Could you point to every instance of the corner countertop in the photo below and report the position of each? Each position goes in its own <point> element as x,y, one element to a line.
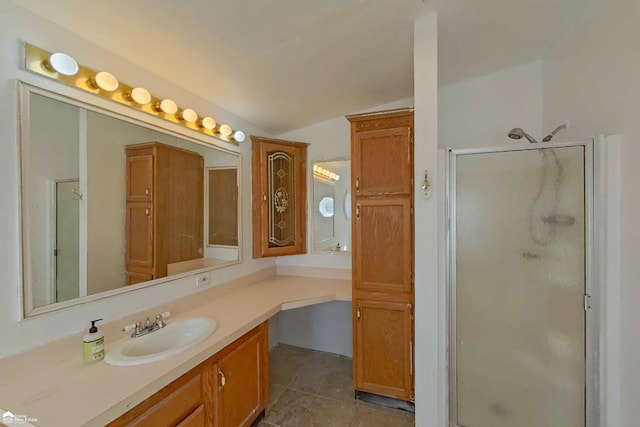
<point>74,394</point>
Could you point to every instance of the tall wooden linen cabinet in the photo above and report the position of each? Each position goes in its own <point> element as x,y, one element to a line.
<point>383,252</point>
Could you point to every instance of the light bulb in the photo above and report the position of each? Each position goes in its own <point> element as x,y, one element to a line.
<point>139,95</point>
<point>62,63</point>
<point>225,130</point>
<point>105,81</point>
<point>239,136</point>
<point>207,123</point>
<point>188,115</point>
<point>166,106</point>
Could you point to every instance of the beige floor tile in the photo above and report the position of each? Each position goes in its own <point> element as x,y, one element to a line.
<point>291,410</point>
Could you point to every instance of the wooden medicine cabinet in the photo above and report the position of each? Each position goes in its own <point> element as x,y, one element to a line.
<point>279,183</point>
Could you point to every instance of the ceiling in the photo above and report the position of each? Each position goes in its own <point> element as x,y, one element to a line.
<point>283,64</point>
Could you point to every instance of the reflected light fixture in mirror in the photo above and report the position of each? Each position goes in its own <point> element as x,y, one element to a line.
<point>62,63</point>
<point>208,123</point>
<point>188,115</point>
<point>105,81</point>
<point>325,173</point>
<point>167,106</point>
<point>139,95</point>
<point>225,130</point>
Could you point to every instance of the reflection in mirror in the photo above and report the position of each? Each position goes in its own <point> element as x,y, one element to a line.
<point>332,206</point>
<point>109,203</point>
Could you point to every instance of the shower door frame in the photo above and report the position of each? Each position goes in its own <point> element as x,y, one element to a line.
<point>592,300</point>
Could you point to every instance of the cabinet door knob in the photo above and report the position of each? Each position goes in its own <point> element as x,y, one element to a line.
<point>358,312</point>
<point>264,197</point>
<point>358,212</point>
<point>358,184</point>
<point>147,212</point>
<point>147,191</point>
<point>223,379</point>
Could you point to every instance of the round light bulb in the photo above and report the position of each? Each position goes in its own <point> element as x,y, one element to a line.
<point>189,115</point>
<point>337,177</point>
<point>207,123</point>
<point>239,136</point>
<point>62,63</point>
<point>166,106</point>
<point>105,81</point>
<point>139,95</point>
<point>225,130</point>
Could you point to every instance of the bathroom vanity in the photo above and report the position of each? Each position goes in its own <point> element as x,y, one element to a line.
<point>230,389</point>
<point>222,381</point>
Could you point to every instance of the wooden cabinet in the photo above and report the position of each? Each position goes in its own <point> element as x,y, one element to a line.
<point>383,353</point>
<point>164,209</point>
<point>382,245</point>
<point>279,184</point>
<point>229,390</point>
<point>382,160</point>
<point>383,252</point>
<point>242,382</point>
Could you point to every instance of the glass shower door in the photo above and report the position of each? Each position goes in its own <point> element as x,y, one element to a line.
<point>518,317</point>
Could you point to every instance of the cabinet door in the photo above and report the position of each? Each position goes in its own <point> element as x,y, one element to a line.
<point>382,162</point>
<point>140,178</point>
<point>383,358</point>
<point>279,197</point>
<point>140,235</point>
<point>241,382</point>
<point>382,245</point>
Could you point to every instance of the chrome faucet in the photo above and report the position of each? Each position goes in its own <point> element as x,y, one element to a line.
<point>139,329</point>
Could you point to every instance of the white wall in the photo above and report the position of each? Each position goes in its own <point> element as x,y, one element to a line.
<point>52,156</point>
<point>430,324</point>
<point>16,24</point>
<point>592,79</point>
<point>315,327</point>
<point>480,112</point>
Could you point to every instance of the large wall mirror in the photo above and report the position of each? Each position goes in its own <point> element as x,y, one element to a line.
<point>331,209</point>
<point>110,204</point>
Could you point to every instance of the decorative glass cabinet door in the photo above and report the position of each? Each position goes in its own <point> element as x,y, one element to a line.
<point>279,197</point>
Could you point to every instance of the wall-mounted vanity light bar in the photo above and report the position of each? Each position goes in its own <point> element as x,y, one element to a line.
<point>325,173</point>
<point>65,69</point>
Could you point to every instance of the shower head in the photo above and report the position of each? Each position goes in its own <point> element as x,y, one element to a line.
<point>518,133</point>
<point>556,130</point>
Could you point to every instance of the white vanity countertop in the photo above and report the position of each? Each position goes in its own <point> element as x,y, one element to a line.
<point>74,394</point>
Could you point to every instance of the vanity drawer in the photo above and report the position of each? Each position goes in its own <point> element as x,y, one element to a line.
<point>179,403</point>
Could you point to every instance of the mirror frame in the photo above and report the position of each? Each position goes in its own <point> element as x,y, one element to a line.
<point>24,92</point>
<point>310,214</point>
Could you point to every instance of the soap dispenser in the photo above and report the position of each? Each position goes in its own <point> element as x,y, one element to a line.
<point>93,344</point>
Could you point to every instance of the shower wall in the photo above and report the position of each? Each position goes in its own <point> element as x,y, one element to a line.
<point>520,320</point>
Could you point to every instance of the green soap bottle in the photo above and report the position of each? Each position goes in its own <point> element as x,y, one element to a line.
<point>93,344</point>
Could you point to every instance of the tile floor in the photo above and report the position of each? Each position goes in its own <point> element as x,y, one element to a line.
<point>314,389</point>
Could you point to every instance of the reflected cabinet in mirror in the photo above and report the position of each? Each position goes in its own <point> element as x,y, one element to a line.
<point>108,202</point>
<point>331,210</point>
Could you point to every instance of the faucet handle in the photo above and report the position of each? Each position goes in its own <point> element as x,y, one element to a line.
<point>166,314</point>
<point>147,323</point>
<point>128,328</point>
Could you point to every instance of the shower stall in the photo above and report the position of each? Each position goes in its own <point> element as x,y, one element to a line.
<point>522,338</point>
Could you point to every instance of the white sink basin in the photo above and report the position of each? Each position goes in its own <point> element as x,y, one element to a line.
<point>174,338</point>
